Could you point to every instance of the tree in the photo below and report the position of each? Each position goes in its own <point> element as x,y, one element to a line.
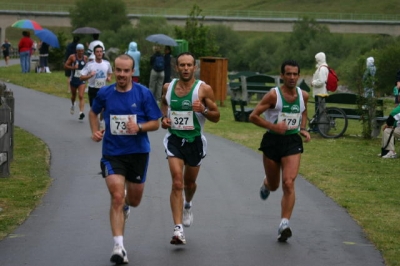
<point>101,14</point>
<point>200,39</point>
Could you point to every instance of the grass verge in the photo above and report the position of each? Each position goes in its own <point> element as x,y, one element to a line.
<point>346,169</point>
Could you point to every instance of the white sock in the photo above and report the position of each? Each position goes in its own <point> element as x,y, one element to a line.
<point>285,220</point>
<point>180,227</point>
<point>119,240</point>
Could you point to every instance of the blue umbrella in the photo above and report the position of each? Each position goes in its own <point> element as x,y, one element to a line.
<point>162,39</point>
<point>48,37</point>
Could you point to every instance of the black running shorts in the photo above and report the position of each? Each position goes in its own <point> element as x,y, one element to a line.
<point>132,166</point>
<point>276,146</point>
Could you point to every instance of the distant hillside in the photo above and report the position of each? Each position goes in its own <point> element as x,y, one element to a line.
<point>320,6</point>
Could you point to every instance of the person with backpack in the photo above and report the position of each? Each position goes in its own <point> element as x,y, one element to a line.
<point>157,72</point>
<point>391,130</point>
<point>320,76</point>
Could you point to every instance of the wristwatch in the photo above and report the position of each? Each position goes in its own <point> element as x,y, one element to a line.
<point>140,127</point>
<point>205,111</point>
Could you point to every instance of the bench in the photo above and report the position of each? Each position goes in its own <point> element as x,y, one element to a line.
<point>242,113</point>
<point>349,104</point>
<point>260,85</point>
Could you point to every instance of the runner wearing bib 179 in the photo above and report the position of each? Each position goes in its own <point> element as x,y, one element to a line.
<point>76,63</point>
<point>285,116</point>
<point>186,104</point>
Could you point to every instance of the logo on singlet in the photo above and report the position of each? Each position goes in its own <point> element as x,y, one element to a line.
<point>186,105</point>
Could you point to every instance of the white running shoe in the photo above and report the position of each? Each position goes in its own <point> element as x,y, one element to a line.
<point>119,255</point>
<point>72,110</point>
<point>187,217</point>
<point>390,155</point>
<point>284,232</point>
<point>127,211</point>
<point>178,238</point>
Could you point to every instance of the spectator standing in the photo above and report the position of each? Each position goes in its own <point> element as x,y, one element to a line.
<point>135,54</point>
<point>369,78</point>
<point>43,57</point>
<point>25,49</point>
<point>167,64</point>
<point>6,48</point>
<point>157,72</point>
<point>95,43</point>
<point>320,76</point>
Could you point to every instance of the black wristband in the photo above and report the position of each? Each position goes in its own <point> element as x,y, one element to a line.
<point>302,128</point>
<point>162,118</point>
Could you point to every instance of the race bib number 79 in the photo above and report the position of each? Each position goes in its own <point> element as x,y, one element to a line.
<point>292,120</point>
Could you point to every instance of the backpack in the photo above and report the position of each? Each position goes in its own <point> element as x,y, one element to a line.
<point>158,63</point>
<point>332,81</point>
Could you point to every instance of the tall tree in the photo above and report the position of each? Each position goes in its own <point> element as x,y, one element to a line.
<point>200,39</point>
<point>101,14</point>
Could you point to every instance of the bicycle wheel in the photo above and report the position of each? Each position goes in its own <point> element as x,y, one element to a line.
<point>332,122</point>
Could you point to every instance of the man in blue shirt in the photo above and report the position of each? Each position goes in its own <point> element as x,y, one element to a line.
<point>130,111</point>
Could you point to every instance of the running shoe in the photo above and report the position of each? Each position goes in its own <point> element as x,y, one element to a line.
<point>127,211</point>
<point>178,238</point>
<point>264,192</point>
<point>284,232</point>
<point>187,217</point>
<point>72,110</point>
<point>119,255</point>
<point>390,155</point>
<point>81,116</point>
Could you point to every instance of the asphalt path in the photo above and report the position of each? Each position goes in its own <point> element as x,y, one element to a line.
<point>232,226</point>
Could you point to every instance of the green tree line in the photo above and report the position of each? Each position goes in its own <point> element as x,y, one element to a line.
<point>256,52</point>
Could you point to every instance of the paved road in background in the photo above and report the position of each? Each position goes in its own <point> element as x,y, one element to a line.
<point>232,226</point>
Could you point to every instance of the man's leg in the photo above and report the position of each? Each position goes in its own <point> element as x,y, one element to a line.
<point>81,93</point>
<point>176,199</point>
<point>272,171</point>
<point>73,98</point>
<point>116,187</point>
<point>190,187</point>
<point>290,169</point>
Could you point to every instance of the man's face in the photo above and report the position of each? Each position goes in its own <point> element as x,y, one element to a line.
<point>186,67</point>
<point>123,71</point>
<point>80,52</point>
<point>98,53</point>
<point>291,76</point>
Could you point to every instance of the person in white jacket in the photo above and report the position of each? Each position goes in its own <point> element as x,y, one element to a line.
<point>321,75</point>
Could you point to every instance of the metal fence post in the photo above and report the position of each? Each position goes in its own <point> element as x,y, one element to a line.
<point>5,119</point>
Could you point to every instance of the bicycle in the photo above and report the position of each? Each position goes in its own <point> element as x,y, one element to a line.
<point>329,122</point>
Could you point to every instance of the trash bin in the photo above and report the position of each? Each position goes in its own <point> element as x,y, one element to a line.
<point>183,46</point>
<point>214,71</point>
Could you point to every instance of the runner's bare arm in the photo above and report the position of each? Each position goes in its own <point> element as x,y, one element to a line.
<point>207,105</point>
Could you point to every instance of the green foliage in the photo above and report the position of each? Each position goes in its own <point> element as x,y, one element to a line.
<point>57,55</point>
<point>101,14</point>
<point>201,40</point>
<point>387,67</point>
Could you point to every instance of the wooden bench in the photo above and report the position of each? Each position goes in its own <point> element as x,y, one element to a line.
<point>260,85</point>
<point>349,102</point>
<point>241,113</point>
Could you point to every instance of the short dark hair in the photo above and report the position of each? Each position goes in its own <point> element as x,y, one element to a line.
<point>289,63</point>
<point>76,39</point>
<point>95,36</point>
<point>128,57</point>
<point>98,46</point>
<point>186,53</point>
